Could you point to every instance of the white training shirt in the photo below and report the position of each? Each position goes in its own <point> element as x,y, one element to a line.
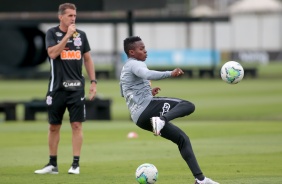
<point>135,85</point>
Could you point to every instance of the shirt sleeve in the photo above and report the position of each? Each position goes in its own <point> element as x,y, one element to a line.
<point>86,44</point>
<point>50,41</point>
<point>141,70</point>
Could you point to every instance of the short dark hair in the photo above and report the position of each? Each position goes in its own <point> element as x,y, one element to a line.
<point>128,43</point>
<point>63,7</point>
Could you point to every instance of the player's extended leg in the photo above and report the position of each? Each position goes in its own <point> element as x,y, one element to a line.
<point>171,108</point>
<point>176,135</point>
<point>168,109</point>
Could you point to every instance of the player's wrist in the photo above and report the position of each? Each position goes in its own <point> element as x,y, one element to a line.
<point>94,80</point>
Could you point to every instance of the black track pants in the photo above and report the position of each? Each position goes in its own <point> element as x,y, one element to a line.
<point>171,108</point>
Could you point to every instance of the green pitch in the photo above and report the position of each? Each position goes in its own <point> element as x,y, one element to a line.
<point>236,133</point>
<point>251,99</point>
<point>228,151</point>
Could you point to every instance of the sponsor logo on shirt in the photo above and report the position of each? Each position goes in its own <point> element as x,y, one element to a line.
<point>71,55</point>
<point>69,41</point>
<point>77,41</point>
<point>59,34</point>
<point>72,84</point>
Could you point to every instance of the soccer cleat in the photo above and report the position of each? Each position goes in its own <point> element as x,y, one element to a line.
<point>48,169</point>
<point>157,124</point>
<point>205,181</point>
<point>74,169</point>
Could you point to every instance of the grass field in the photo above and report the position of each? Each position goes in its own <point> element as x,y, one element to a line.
<point>228,151</point>
<point>236,132</point>
<point>251,99</point>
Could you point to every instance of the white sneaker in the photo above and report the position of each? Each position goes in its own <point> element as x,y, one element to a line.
<point>157,124</point>
<point>48,169</point>
<point>74,170</point>
<point>206,181</point>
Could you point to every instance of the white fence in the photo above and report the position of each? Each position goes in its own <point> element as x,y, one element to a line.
<point>243,32</point>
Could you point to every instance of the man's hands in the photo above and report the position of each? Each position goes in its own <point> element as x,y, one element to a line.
<point>177,72</point>
<point>92,91</point>
<point>155,91</point>
<point>71,30</point>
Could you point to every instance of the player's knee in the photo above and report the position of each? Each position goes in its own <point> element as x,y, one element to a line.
<point>183,139</point>
<point>54,128</point>
<point>76,126</point>
<point>189,107</point>
<point>192,107</point>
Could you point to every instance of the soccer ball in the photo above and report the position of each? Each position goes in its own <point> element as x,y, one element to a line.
<point>232,72</point>
<point>146,174</point>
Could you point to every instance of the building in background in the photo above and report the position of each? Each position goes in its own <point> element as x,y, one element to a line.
<point>263,33</point>
<point>253,35</point>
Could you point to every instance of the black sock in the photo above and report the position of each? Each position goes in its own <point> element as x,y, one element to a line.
<point>75,161</point>
<point>200,177</point>
<point>53,160</point>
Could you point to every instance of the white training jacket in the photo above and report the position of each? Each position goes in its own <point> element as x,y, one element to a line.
<point>135,85</point>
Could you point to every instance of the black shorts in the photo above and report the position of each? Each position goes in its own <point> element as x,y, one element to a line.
<point>58,101</point>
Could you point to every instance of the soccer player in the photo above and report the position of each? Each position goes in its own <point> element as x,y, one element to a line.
<point>68,49</point>
<point>155,113</point>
